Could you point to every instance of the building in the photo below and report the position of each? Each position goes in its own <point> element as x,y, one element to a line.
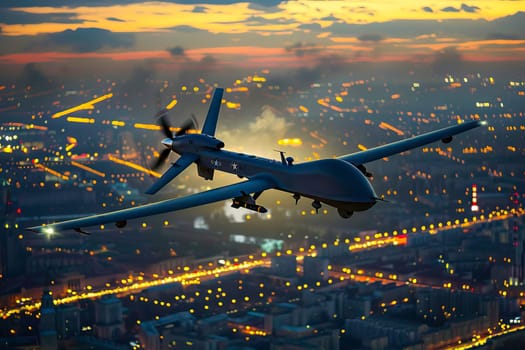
<point>47,327</point>
<point>284,265</point>
<point>108,318</point>
<point>315,269</point>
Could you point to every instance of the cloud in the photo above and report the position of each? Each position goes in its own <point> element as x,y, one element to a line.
<point>504,36</point>
<point>450,9</point>
<point>447,61</point>
<point>192,70</point>
<point>320,67</point>
<point>464,7</point>
<point>115,19</point>
<point>63,3</point>
<point>176,51</point>
<point>91,39</point>
<point>33,76</point>
<point>186,29</point>
<point>330,18</point>
<point>271,6</point>
<point>268,127</point>
<point>268,122</point>
<point>260,20</point>
<point>458,28</point>
<point>199,9</point>
<point>470,9</point>
<point>370,37</point>
<point>427,9</point>
<point>301,49</point>
<point>136,84</point>
<point>209,61</point>
<point>311,26</point>
<point>9,16</point>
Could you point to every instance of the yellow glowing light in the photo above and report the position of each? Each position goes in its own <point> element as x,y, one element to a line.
<point>84,106</point>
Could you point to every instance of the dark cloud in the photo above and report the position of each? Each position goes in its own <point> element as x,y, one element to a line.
<point>208,66</point>
<point>370,37</point>
<point>301,49</point>
<point>136,85</point>
<point>510,24</point>
<point>447,61</point>
<point>199,9</point>
<point>67,3</point>
<point>325,67</point>
<point>260,20</point>
<point>176,51</point>
<point>504,36</point>
<point>427,9</point>
<point>450,9</point>
<point>311,26</point>
<point>459,28</point>
<point>470,9</point>
<point>32,76</point>
<point>8,16</point>
<point>115,19</point>
<point>91,39</point>
<point>265,8</point>
<point>330,18</point>
<point>185,29</point>
<point>209,61</point>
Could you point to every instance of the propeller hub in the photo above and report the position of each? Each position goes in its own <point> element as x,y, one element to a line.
<point>167,142</point>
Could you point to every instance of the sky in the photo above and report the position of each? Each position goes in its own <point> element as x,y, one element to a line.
<point>259,34</point>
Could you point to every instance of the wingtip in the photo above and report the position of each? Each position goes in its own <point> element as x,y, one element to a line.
<point>49,230</point>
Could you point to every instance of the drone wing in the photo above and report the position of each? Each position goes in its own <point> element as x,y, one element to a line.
<point>121,216</point>
<point>178,167</point>
<point>379,152</point>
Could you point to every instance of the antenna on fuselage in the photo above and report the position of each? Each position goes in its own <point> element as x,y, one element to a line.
<point>285,160</point>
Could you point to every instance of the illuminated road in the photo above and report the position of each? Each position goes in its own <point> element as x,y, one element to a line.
<point>480,340</point>
<point>141,284</point>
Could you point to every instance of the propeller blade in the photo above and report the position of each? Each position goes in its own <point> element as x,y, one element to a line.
<point>161,113</point>
<point>188,124</point>
<point>162,158</point>
<point>165,127</point>
<point>195,122</point>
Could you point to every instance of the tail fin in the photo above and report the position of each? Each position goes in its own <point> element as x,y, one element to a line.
<point>210,123</point>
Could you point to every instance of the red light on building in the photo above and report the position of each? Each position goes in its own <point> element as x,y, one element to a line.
<point>474,206</point>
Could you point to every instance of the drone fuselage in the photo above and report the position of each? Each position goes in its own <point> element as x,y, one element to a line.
<point>331,181</point>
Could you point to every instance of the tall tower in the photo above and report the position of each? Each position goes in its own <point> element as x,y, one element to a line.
<point>518,273</point>
<point>12,255</point>
<point>47,326</point>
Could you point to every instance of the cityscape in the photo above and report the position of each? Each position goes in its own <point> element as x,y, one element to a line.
<point>439,263</point>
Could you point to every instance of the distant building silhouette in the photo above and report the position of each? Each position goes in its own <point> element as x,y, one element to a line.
<point>108,318</point>
<point>47,326</point>
<point>284,265</point>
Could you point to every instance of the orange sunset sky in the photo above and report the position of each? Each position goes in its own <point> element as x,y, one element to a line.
<point>259,33</point>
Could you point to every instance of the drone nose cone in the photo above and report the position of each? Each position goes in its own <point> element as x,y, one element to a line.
<point>167,142</point>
